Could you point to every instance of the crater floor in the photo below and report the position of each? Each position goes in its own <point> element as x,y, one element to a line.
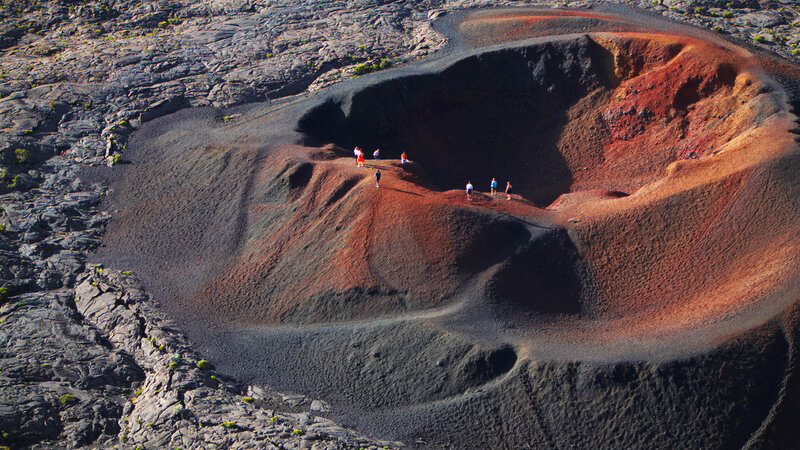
<point>638,290</point>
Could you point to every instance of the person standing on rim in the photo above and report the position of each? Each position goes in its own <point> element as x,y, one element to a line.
<point>403,158</point>
<point>469,190</point>
<point>376,154</point>
<point>508,190</point>
<point>378,178</point>
<point>493,186</point>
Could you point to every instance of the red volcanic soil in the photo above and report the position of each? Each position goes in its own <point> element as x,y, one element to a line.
<point>659,151</point>
<point>654,216</point>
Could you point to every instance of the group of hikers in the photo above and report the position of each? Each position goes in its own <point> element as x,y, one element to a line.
<point>492,189</point>
<point>359,154</point>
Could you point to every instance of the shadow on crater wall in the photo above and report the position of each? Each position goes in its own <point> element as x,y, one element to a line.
<point>498,114</point>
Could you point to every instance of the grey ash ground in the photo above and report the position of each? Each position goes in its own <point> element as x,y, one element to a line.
<point>89,360</point>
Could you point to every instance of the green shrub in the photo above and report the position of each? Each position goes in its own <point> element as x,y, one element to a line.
<point>759,38</point>
<point>116,158</point>
<point>174,20</point>
<point>123,123</point>
<point>203,364</point>
<point>2,228</point>
<point>14,182</point>
<point>213,377</point>
<point>700,9</point>
<point>3,293</point>
<point>298,432</point>
<point>29,132</point>
<point>727,14</point>
<point>68,399</point>
<point>138,392</point>
<point>247,399</point>
<point>162,24</point>
<point>717,29</point>
<point>363,69</point>
<point>3,173</point>
<point>173,365</point>
<point>22,155</point>
<point>228,424</point>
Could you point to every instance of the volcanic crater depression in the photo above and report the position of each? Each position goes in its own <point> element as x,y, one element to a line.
<point>654,217</point>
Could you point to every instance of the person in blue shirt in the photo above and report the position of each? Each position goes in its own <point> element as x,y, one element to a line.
<point>493,186</point>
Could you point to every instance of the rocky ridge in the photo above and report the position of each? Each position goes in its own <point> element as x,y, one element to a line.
<point>87,359</point>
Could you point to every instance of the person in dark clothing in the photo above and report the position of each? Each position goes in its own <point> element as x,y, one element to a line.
<point>378,178</point>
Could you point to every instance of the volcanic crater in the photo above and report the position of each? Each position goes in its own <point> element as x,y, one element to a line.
<point>653,220</point>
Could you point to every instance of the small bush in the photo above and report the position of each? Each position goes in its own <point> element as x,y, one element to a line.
<point>247,399</point>
<point>727,14</point>
<point>3,293</point>
<point>3,173</point>
<point>759,38</point>
<point>150,425</point>
<point>203,364</point>
<point>717,29</point>
<point>174,20</point>
<point>227,119</point>
<point>123,123</point>
<point>213,377</point>
<point>298,432</point>
<point>163,24</point>
<point>22,155</point>
<point>14,182</point>
<point>228,424</point>
<point>138,392</point>
<point>68,399</point>
<point>700,9</point>
<point>116,159</point>
<point>2,228</point>
<point>273,419</point>
<point>173,365</point>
